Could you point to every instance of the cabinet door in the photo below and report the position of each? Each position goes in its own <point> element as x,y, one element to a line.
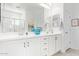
<point>33,47</point>
<point>51,45</point>
<point>44,46</point>
<point>12,48</point>
<point>57,43</point>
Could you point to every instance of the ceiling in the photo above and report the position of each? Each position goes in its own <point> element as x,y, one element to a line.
<point>28,6</point>
<point>31,6</point>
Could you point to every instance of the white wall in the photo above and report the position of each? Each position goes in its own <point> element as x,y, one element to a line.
<point>75,30</point>
<point>71,11</point>
<point>67,15</point>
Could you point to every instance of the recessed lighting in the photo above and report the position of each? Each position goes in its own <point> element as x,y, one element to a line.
<point>44,5</point>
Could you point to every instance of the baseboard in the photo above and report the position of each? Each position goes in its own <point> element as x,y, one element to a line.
<point>67,49</point>
<point>60,51</point>
<point>56,53</point>
<point>63,51</point>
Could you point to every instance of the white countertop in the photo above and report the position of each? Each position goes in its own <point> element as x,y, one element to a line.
<point>16,36</point>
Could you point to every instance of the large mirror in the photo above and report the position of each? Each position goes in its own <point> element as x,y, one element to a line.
<point>34,15</point>
<point>12,18</point>
<point>24,17</point>
<point>21,17</point>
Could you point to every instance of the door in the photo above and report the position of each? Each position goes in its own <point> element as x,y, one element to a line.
<point>57,43</point>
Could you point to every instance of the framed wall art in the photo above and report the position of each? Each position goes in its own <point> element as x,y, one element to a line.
<point>75,22</point>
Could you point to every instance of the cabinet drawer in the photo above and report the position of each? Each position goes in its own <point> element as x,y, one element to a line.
<point>44,53</point>
<point>44,49</point>
<point>43,44</point>
<point>43,39</point>
<point>57,43</point>
<point>3,51</point>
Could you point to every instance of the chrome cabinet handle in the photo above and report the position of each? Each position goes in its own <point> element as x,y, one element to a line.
<point>66,32</point>
<point>27,45</point>
<point>45,39</point>
<point>27,42</point>
<point>45,43</point>
<point>45,48</point>
<point>24,44</point>
<point>55,38</point>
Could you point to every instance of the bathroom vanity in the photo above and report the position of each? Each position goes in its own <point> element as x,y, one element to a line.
<point>17,22</point>
<point>30,45</point>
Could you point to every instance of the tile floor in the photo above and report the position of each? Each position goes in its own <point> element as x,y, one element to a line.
<point>70,52</point>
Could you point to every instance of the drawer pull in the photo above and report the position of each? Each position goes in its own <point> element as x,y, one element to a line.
<point>27,42</point>
<point>27,45</point>
<point>24,44</point>
<point>45,48</point>
<point>45,38</point>
<point>55,38</point>
<point>45,43</point>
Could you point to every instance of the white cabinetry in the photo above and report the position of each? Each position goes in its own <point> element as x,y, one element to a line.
<point>51,45</point>
<point>54,44</point>
<point>36,46</point>
<point>44,46</point>
<point>57,43</point>
<point>12,48</point>
<point>33,47</point>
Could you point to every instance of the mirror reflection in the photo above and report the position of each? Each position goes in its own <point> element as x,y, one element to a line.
<point>29,17</point>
